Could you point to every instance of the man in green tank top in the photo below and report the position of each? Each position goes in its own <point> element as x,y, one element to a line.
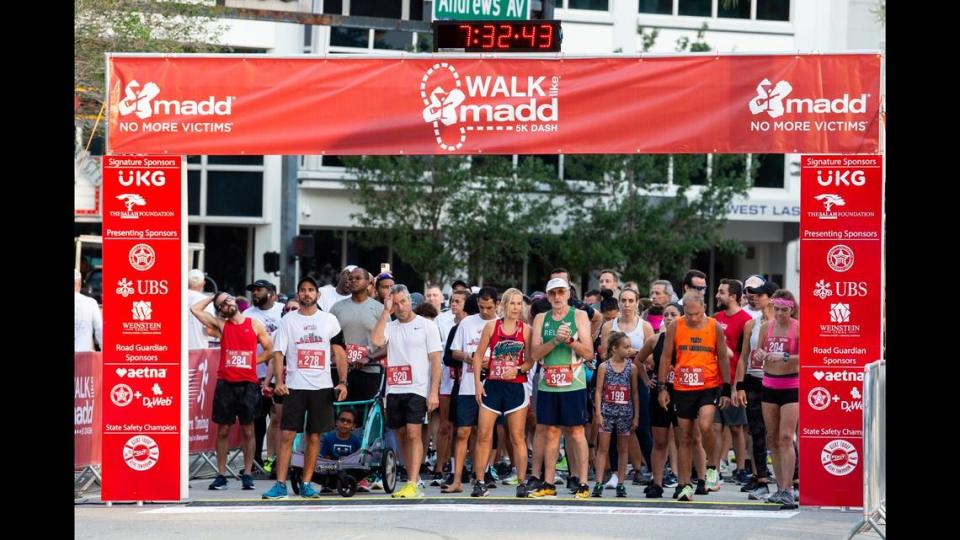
<point>561,337</point>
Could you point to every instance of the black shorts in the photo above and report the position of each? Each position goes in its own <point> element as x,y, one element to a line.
<point>688,404</point>
<point>779,397</point>
<point>403,409</point>
<point>467,411</point>
<point>317,405</point>
<point>660,417</point>
<point>234,401</point>
<point>568,409</point>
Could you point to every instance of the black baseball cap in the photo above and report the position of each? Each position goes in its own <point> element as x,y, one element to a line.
<point>262,283</point>
<point>768,288</point>
<point>310,279</point>
<point>460,282</point>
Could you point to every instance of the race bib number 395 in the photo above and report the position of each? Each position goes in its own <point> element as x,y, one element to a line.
<point>355,353</point>
<point>311,359</point>
<point>399,375</point>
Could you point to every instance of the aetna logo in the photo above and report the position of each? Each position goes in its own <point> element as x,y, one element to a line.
<point>772,99</point>
<point>143,102</point>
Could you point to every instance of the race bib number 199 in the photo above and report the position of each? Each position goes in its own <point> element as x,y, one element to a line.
<point>618,394</point>
<point>311,359</point>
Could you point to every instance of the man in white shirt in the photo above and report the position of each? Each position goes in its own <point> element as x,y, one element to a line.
<point>197,335</point>
<point>306,340</point>
<point>330,295</point>
<point>413,377</point>
<point>87,319</point>
<point>266,310</point>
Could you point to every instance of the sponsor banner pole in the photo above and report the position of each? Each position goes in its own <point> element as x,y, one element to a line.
<point>841,293</point>
<point>143,250</point>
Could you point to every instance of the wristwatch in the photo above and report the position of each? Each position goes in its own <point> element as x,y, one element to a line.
<point>786,357</point>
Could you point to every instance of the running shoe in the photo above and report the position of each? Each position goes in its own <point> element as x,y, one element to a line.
<point>686,494</point>
<point>277,491</point>
<point>220,482</point>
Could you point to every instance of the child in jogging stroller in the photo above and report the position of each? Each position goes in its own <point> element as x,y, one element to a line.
<point>350,452</point>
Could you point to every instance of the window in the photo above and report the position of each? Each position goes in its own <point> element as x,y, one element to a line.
<point>235,193</point>
<point>193,193</point>
<point>481,165</point>
<point>225,257</point>
<point>392,39</point>
<point>652,168</point>
<point>333,7</point>
<point>660,7</point>
<point>690,169</point>
<point>773,10</point>
<point>235,160</point>
<point>581,167</point>
<point>549,161</point>
<point>729,166</point>
<point>594,5</point>
<point>332,161</point>
<point>388,9</point>
<point>349,37</point>
<point>695,8</point>
<point>770,171</point>
<point>733,9</point>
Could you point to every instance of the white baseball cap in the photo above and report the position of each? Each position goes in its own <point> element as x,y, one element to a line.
<point>349,268</point>
<point>557,283</point>
<point>195,277</point>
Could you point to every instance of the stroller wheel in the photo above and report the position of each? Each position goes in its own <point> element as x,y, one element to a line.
<point>388,469</point>
<point>296,479</point>
<point>346,485</point>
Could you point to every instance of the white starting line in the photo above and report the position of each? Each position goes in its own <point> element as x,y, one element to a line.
<point>480,508</point>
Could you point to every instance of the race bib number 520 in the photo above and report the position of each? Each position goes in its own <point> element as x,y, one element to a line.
<point>311,359</point>
<point>399,375</point>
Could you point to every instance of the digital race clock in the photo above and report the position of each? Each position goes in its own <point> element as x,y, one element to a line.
<point>497,36</point>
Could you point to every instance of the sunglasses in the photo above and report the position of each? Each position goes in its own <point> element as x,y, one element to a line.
<point>226,299</point>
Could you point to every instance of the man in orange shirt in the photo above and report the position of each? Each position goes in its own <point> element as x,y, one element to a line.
<point>702,366</point>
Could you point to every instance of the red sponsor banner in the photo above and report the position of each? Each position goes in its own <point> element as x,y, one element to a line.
<point>87,408</point>
<point>841,247</point>
<point>203,383</point>
<point>142,289</point>
<point>432,104</point>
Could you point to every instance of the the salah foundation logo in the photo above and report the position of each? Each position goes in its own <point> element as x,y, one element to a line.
<point>456,106</point>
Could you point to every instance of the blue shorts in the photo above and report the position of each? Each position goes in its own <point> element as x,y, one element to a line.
<point>503,397</point>
<point>467,411</point>
<point>562,408</point>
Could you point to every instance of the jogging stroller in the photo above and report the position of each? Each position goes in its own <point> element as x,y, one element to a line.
<point>373,456</point>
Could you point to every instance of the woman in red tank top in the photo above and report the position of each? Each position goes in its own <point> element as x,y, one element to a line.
<point>779,346</point>
<point>503,391</point>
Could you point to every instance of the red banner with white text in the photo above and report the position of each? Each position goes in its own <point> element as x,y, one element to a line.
<point>87,406</point>
<point>841,242</point>
<point>143,285</point>
<point>432,104</point>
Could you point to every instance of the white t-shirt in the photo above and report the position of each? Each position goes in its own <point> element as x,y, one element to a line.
<point>87,323</point>
<point>329,296</point>
<point>467,340</point>
<point>305,344</point>
<point>408,348</point>
<point>271,320</point>
<point>197,337</point>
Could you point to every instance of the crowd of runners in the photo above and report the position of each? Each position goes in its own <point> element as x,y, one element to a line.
<point>545,393</point>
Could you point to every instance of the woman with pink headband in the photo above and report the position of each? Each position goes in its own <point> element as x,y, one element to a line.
<point>779,351</point>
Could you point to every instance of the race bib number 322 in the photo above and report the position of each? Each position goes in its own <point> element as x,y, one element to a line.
<point>311,359</point>
<point>558,376</point>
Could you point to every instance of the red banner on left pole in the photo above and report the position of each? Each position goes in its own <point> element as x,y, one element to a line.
<point>142,448</point>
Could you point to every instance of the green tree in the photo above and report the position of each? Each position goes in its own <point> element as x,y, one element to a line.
<point>103,26</point>
<point>444,213</point>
